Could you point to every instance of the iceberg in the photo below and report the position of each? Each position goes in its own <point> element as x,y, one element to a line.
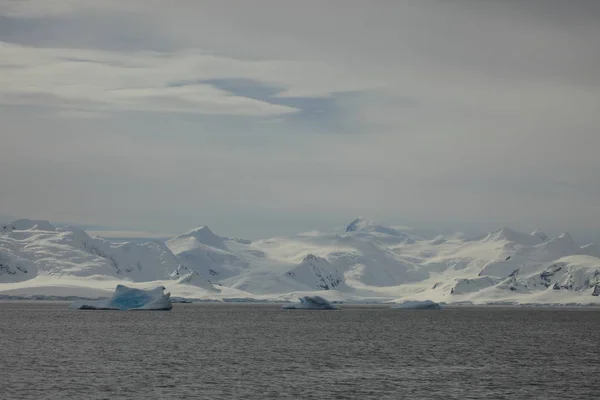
<point>126,298</point>
<point>419,305</point>
<point>311,303</point>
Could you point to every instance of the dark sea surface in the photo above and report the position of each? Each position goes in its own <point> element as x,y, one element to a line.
<point>224,351</point>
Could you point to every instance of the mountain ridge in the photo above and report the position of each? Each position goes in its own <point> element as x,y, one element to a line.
<point>366,261</point>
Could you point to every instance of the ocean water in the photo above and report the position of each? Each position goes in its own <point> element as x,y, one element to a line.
<point>222,351</point>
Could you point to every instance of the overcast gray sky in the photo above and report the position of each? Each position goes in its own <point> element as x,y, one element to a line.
<point>272,117</point>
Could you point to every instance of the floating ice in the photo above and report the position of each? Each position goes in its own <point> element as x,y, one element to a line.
<point>311,303</point>
<point>126,298</point>
<point>419,305</point>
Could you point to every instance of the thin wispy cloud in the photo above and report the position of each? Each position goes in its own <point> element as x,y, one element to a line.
<point>113,82</point>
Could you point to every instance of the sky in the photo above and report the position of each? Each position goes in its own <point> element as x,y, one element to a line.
<point>275,117</point>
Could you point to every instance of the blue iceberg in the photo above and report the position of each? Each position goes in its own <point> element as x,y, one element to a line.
<point>419,305</point>
<point>311,303</point>
<point>126,298</point>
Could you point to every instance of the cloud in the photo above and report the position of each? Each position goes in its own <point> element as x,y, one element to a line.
<point>50,8</point>
<point>428,113</point>
<point>111,82</point>
<point>33,8</point>
<point>76,114</point>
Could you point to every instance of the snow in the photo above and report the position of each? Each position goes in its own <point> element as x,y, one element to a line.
<point>206,253</point>
<point>14,268</point>
<point>365,262</point>
<point>509,235</point>
<point>311,303</point>
<point>28,224</point>
<point>540,235</point>
<point>126,298</point>
<point>464,286</point>
<point>317,273</point>
<point>419,305</point>
<point>40,252</point>
<point>362,226</point>
<point>527,258</point>
<point>202,235</point>
<point>590,250</point>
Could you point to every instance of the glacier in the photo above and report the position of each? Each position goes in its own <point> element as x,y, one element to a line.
<point>36,251</point>
<point>365,262</point>
<point>311,303</point>
<point>127,298</point>
<point>418,305</point>
<point>317,273</point>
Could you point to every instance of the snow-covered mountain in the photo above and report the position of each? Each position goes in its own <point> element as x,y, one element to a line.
<point>31,249</point>
<point>206,253</point>
<point>363,262</point>
<point>317,274</point>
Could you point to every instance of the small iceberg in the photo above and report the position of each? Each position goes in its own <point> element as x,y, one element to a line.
<point>126,298</point>
<point>311,303</point>
<point>419,305</point>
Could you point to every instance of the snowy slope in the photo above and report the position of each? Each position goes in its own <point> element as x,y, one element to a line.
<point>27,224</point>
<point>202,251</point>
<point>317,274</point>
<point>372,260</point>
<point>30,249</point>
<point>14,268</point>
<point>510,266</point>
<point>363,262</point>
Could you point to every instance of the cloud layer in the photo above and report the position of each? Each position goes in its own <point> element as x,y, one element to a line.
<point>150,115</point>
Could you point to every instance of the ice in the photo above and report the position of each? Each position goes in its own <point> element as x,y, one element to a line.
<point>317,274</point>
<point>366,262</point>
<point>27,224</point>
<point>126,298</point>
<point>311,303</point>
<point>419,305</point>
<point>31,249</point>
<point>201,235</point>
<point>472,285</point>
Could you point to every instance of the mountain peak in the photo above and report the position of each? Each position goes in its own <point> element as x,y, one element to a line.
<point>204,235</point>
<point>313,259</point>
<point>201,230</point>
<point>509,235</point>
<point>591,250</point>
<point>540,235</point>
<point>365,226</point>
<point>507,232</point>
<point>28,224</point>
<point>358,224</point>
<point>317,273</point>
<point>566,237</point>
